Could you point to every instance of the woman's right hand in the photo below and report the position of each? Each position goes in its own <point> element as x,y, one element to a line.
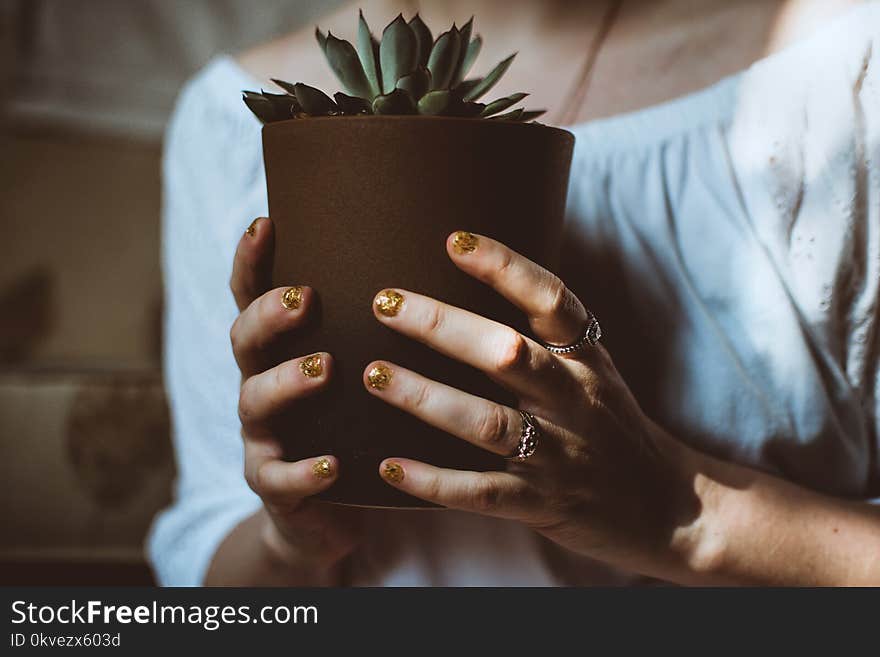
<point>307,536</point>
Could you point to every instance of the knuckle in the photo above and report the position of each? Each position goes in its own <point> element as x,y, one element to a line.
<point>523,495</point>
<point>245,403</point>
<point>244,406</point>
<point>262,480</point>
<point>235,334</point>
<point>419,397</point>
<point>578,454</point>
<point>486,497</point>
<point>264,309</point>
<point>494,427</point>
<point>504,263</point>
<point>513,354</point>
<point>433,488</point>
<point>434,319</point>
<point>279,374</point>
<point>287,384</point>
<point>250,477</point>
<point>235,284</point>
<point>557,296</point>
<point>568,502</point>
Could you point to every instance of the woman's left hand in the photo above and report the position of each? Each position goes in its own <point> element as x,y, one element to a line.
<point>605,481</point>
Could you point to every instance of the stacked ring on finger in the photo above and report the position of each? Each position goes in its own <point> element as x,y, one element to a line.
<point>590,337</point>
<point>528,439</point>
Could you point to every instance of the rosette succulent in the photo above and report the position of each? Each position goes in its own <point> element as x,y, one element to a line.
<point>407,72</point>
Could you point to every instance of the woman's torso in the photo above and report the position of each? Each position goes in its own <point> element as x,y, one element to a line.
<point>729,243</point>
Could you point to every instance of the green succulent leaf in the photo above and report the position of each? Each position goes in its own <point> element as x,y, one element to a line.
<point>396,102</point>
<point>286,106</point>
<point>489,81</point>
<point>350,105</point>
<point>463,109</point>
<point>367,52</point>
<point>519,115</point>
<point>397,53</point>
<point>344,61</point>
<point>260,106</point>
<point>502,104</point>
<point>513,115</point>
<point>405,72</point>
<point>287,86</point>
<point>444,58</point>
<point>424,40</point>
<point>462,89</point>
<point>314,101</point>
<point>464,42</point>
<point>435,103</point>
<point>321,38</point>
<point>470,56</point>
<point>416,83</point>
<point>531,115</point>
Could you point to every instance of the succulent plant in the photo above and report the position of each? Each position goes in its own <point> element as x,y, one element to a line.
<point>407,72</point>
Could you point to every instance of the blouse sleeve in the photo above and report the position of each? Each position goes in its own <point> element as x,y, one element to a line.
<point>818,177</point>
<point>730,241</point>
<point>212,189</point>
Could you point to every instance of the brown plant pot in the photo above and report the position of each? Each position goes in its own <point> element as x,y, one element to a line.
<point>365,203</point>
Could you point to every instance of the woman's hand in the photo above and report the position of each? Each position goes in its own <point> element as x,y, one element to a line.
<point>308,537</point>
<point>605,481</point>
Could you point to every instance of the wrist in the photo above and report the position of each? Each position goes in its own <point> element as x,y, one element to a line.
<point>753,528</point>
<point>698,541</point>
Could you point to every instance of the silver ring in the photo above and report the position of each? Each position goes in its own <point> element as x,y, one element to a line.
<point>528,438</point>
<point>590,337</point>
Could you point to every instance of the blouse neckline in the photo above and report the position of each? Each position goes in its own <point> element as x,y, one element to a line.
<point>711,105</point>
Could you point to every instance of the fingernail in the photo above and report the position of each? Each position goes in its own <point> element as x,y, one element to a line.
<point>252,229</point>
<point>322,468</point>
<point>393,472</point>
<point>389,302</point>
<point>380,377</point>
<point>312,366</point>
<point>464,242</point>
<point>292,297</point>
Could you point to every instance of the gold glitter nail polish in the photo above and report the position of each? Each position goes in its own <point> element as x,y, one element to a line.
<point>379,377</point>
<point>252,229</point>
<point>322,468</point>
<point>393,472</point>
<point>312,366</point>
<point>464,242</point>
<point>389,302</point>
<point>292,297</point>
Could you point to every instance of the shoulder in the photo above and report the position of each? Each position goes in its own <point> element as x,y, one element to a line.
<point>209,108</point>
<point>803,122</point>
<point>212,167</point>
<point>213,149</point>
<point>817,74</point>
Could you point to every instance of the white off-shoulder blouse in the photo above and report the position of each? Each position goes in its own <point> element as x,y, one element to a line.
<point>728,240</point>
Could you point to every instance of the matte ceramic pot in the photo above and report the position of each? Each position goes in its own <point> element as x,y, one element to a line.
<point>365,203</point>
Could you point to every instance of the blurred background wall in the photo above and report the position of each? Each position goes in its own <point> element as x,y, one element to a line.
<point>85,458</point>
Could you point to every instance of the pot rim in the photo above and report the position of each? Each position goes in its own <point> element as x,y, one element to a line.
<point>418,119</point>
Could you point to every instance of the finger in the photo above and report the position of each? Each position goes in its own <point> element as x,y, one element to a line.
<point>493,427</point>
<point>282,485</point>
<point>265,395</point>
<point>285,489</point>
<point>499,494</point>
<point>264,321</point>
<point>504,354</point>
<point>252,265</point>
<point>555,314</point>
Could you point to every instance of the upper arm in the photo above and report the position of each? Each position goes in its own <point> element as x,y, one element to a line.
<point>212,188</point>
